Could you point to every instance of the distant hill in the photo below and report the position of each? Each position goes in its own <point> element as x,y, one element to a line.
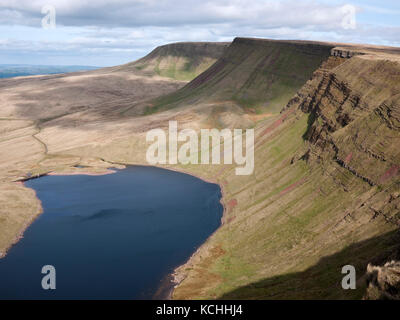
<point>17,70</point>
<point>325,191</point>
<point>180,61</point>
<point>258,75</point>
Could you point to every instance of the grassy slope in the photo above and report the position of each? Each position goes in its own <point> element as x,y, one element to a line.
<point>257,75</point>
<point>291,226</point>
<point>14,198</point>
<point>180,61</point>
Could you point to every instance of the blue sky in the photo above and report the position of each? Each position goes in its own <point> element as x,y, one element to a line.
<point>105,32</point>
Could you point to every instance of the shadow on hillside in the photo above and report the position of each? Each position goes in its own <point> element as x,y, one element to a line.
<point>323,280</point>
<point>311,119</point>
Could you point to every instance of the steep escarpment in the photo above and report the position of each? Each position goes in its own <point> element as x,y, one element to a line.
<point>325,193</point>
<point>257,75</point>
<point>180,61</point>
<point>325,188</point>
<point>355,118</point>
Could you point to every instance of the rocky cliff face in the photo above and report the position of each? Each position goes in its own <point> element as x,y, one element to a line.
<point>325,192</point>
<point>354,119</point>
<point>383,282</point>
<point>343,53</point>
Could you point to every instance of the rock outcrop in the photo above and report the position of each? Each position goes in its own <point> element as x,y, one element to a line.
<point>355,120</point>
<point>383,282</point>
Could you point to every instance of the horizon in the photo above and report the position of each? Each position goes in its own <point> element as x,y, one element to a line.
<point>44,65</point>
<point>198,168</point>
<point>96,66</point>
<point>116,32</point>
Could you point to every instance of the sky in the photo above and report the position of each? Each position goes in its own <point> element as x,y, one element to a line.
<point>112,32</point>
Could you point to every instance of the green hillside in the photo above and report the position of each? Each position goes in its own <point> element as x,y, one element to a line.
<point>258,75</point>
<point>180,61</point>
<point>325,193</point>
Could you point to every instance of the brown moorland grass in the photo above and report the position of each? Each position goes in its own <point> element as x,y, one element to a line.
<point>307,199</point>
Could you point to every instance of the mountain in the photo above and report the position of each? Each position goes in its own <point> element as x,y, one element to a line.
<point>254,74</point>
<point>325,191</point>
<point>180,61</point>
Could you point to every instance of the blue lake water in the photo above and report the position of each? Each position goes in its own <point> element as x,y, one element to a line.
<point>113,236</point>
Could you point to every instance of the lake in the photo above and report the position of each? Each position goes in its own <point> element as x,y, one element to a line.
<point>114,236</point>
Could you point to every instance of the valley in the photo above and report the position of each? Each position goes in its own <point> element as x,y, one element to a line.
<point>325,191</point>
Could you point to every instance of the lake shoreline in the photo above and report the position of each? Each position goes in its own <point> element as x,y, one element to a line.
<point>171,280</point>
<point>177,276</point>
<point>21,182</point>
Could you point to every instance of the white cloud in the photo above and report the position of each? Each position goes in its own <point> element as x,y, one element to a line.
<point>124,13</point>
<point>134,27</point>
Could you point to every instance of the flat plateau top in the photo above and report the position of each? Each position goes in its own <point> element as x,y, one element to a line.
<point>368,51</point>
